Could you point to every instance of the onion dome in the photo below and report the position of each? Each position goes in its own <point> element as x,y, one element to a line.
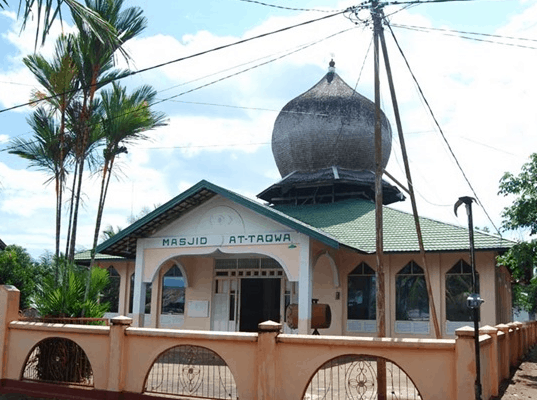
<point>329,125</point>
<point>323,143</point>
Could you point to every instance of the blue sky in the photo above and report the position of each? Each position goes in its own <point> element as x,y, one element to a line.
<point>481,93</point>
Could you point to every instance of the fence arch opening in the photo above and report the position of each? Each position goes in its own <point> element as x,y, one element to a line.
<point>191,371</point>
<point>58,360</point>
<point>355,377</point>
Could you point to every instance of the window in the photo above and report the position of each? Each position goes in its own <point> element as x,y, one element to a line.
<point>173,292</point>
<point>361,289</point>
<point>412,302</point>
<point>458,288</point>
<point>111,292</point>
<point>147,296</point>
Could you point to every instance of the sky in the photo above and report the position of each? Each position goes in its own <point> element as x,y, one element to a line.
<point>479,88</point>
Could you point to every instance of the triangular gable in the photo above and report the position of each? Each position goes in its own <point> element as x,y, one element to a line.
<point>124,243</point>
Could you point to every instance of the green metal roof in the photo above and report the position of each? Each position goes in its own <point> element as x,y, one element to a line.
<point>352,223</point>
<point>84,257</point>
<point>123,244</point>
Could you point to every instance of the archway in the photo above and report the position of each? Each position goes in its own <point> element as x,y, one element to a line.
<point>58,360</point>
<point>191,371</point>
<point>354,377</point>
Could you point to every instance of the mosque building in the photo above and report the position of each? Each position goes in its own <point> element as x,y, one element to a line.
<point>211,259</point>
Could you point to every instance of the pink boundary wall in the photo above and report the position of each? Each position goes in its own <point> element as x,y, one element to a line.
<point>266,365</point>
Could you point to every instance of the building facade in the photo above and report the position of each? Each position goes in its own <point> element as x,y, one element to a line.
<point>211,259</point>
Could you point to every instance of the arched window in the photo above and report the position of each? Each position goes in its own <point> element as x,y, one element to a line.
<point>147,296</point>
<point>173,292</point>
<point>412,302</point>
<point>111,292</point>
<point>458,288</point>
<point>361,297</point>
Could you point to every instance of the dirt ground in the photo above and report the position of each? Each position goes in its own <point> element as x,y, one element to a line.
<point>523,384</point>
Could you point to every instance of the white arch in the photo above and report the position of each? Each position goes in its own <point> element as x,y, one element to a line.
<point>210,250</point>
<point>333,266</point>
<point>177,263</point>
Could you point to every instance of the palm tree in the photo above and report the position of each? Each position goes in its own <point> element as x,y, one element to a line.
<point>58,80</point>
<point>46,15</point>
<point>95,64</point>
<point>124,119</point>
<point>45,152</point>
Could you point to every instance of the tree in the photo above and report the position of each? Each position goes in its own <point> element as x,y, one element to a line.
<point>95,64</point>
<point>124,119</point>
<point>18,269</point>
<point>521,259</point>
<point>46,15</point>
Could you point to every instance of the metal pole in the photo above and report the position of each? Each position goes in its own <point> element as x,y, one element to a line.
<point>474,300</point>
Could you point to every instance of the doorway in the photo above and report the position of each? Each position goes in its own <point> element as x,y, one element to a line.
<point>259,302</point>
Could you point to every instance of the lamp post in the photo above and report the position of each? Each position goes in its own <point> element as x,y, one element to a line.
<point>473,301</point>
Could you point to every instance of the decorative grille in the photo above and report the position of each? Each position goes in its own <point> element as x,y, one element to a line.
<point>191,372</point>
<point>58,360</point>
<point>355,378</point>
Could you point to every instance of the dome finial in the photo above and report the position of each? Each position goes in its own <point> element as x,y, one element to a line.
<point>332,66</point>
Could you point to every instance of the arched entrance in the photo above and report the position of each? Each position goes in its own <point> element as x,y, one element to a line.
<point>248,290</point>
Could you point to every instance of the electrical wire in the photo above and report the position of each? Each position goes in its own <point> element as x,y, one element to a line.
<point>132,73</point>
<point>441,131</point>
<point>289,8</point>
<point>471,38</point>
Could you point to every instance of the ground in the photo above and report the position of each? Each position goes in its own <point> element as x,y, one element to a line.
<point>523,384</point>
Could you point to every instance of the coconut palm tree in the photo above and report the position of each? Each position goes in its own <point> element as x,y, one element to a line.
<point>124,119</point>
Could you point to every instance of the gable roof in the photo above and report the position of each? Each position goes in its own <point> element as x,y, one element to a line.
<point>123,243</point>
<point>2,245</point>
<point>350,223</point>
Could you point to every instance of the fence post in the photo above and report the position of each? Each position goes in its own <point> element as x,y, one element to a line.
<point>268,331</point>
<point>9,311</point>
<point>512,344</point>
<point>116,376</point>
<point>505,351</point>
<point>493,358</point>
<point>465,363</point>
<point>520,341</point>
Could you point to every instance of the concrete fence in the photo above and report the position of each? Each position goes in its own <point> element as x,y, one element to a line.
<point>266,365</point>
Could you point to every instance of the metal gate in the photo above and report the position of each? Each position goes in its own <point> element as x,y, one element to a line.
<point>191,371</point>
<point>353,377</point>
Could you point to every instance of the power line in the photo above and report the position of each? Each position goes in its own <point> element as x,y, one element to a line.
<point>426,30</point>
<point>289,8</point>
<point>132,73</point>
<point>440,130</point>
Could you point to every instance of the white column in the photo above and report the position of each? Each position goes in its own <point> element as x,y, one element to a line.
<point>138,306</point>
<point>305,286</point>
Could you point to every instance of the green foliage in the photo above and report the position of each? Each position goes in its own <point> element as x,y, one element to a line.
<point>522,214</point>
<point>64,296</point>
<point>18,269</point>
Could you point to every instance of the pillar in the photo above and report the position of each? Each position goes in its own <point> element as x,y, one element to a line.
<point>465,363</point>
<point>9,311</point>
<point>138,306</point>
<point>494,359</point>
<point>305,286</point>
<point>116,375</point>
<point>266,360</point>
<point>505,348</point>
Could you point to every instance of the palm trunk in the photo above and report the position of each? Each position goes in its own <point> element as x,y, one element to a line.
<point>68,243</point>
<point>107,172</point>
